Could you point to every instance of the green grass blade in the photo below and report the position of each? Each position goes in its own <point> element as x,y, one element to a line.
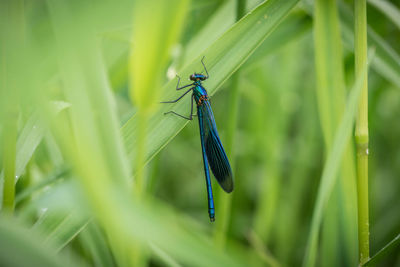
<point>222,59</point>
<point>331,168</point>
<point>60,228</point>
<point>361,132</point>
<point>384,251</point>
<point>29,139</point>
<point>331,98</point>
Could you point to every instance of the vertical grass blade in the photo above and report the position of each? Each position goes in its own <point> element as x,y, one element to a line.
<point>331,167</point>
<point>361,131</point>
<point>331,97</point>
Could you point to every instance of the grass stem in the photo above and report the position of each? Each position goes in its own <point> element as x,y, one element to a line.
<point>361,132</point>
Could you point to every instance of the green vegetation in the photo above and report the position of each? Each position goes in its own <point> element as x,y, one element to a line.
<point>306,98</point>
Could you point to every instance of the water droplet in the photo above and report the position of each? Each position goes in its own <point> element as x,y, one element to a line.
<point>367,151</point>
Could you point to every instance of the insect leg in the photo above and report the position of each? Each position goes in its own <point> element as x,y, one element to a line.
<point>202,62</point>
<point>176,100</point>
<point>177,85</point>
<point>191,111</point>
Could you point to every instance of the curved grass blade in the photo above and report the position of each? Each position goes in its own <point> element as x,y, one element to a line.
<point>223,57</point>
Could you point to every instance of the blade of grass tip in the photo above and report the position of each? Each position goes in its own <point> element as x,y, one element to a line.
<point>331,167</point>
<point>361,129</point>
<point>225,200</point>
<point>388,9</point>
<point>384,251</point>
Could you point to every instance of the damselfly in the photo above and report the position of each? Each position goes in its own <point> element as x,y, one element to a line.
<point>212,149</point>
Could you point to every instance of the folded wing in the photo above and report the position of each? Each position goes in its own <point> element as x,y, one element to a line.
<point>216,155</point>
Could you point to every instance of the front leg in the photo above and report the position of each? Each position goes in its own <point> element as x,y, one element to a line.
<point>202,62</point>
<point>177,85</point>
<point>176,100</point>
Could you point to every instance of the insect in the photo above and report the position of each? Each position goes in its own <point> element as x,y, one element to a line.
<point>212,149</point>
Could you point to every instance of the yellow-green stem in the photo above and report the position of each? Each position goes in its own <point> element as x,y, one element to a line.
<point>361,133</point>
<point>224,203</point>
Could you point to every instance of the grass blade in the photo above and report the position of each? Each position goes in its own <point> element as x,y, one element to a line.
<point>330,170</point>
<point>29,139</point>
<point>384,251</point>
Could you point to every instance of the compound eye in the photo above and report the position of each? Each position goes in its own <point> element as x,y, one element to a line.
<point>192,77</point>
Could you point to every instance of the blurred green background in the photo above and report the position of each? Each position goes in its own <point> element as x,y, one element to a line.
<point>103,178</point>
